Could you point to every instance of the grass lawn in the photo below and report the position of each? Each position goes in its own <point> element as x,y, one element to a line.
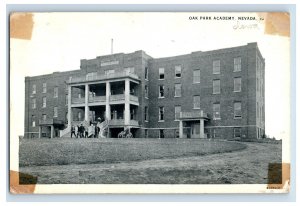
<point>41,152</point>
<point>147,161</point>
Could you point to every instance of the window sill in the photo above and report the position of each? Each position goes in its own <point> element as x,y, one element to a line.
<point>161,79</point>
<point>176,120</point>
<point>237,71</point>
<point>237,118</point>
<point>196,108</point>
<point>146,121</point>
<point>161,120</point>
<point>146,97</point>
<point>216,118</point>
<point>217,93</point>
<point>177,96</point>
<point>196,82</point>
<point>177,78</point>
<point>216,73</point>
<point>161,97</point>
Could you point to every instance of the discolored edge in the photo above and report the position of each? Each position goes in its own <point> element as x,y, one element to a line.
<point>276,23</point>
<point>279,176</point>
<point>21,183</point>
<point>21,25</point>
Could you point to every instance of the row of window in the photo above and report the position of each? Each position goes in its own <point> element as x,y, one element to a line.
<point>44,102</point>
<point>237,66</point>
<point>44,116</point>
<point>216,110</point>
<point>237,133</point>
<point>216,88</point>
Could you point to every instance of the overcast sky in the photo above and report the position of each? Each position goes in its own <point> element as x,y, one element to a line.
<point>60,40</point>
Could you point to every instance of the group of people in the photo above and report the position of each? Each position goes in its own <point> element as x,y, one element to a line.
<point>92,131</point>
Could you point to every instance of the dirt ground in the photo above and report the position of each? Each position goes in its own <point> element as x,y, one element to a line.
<point>248,166</point>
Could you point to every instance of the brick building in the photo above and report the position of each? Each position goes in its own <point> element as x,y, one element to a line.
<point>212,94</point>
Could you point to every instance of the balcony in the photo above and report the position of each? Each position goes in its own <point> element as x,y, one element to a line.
<point>116,122</point>
<point>121,122</point>
<point>50,122</point>
<point>117,97</point>
<point>134,98</point>
<point>93,99</point>
<point>193,115</point>
<point>103,76</point>
<point>78,100</point>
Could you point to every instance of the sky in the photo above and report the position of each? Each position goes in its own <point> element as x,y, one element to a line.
<point>60,40</point>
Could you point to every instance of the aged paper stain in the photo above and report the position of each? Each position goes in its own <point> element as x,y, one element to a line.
<point>279,176</point>
<point>21,25</point>
<point>277,23</point>
<point>27,185</point>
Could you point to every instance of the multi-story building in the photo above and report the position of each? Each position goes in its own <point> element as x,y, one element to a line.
<point>212,94</point>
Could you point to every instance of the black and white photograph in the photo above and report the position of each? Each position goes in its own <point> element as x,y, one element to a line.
<point>150,102</point>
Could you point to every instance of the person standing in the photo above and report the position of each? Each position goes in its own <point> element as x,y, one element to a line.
<point>73,131</point>
<point>86,132</point>
<point>76,131</point>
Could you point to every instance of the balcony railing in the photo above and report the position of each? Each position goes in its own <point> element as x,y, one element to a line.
<point>103,76</point>
<point>121,122</point>
<point>134,98</point>
<point>97,99</point>
<point>117,97</point>
<point>50,121</point>
<point>134,122</point>
<point>116,122</point>
<point>193,115</point>
<point>78,100</point>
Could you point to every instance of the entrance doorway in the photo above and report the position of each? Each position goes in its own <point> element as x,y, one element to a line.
<point>195,130</point>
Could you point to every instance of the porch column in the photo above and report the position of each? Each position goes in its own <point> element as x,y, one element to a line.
<point>52,131</point>
<point>40,131</point>
<point>69,106</point>
<point>86,107</point>
<point>202,128</point>
<point>180,129</point>
<point>127,105</point>
<point>107,106</point>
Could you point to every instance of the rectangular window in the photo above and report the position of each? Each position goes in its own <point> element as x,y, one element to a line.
<point>146,73</point>
<point>161,73</point>
<point>177,112</point>
<point>177,71</point>
<point>216,67</point>
<point>237,110</point>
<point>55,113</point>
<point>109,72</point>
<point>196,76</point>
<point>216,86</point>
<point>146,114</point>
<point>44,102</point>
<point>237,64</point>
<point>161,113</point>
<point>161,91</point>
<point>34,89</point>
<point>161,133</point>
<point>146,91</point>
<point>146,133</point>
<point>216,111</point>
<point>44,87</point>
<point>177,90</point>
<point>32,120</point>
<point>55,92</point>
<point>33,103</point>
<point>44,117</point>
<point>237,84</point>
<point>196,102</point>
<point>237,132</point>
<point>91,75</point>
<point>67,88</point>
<point>67,99</point>
<point>215,133</point>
